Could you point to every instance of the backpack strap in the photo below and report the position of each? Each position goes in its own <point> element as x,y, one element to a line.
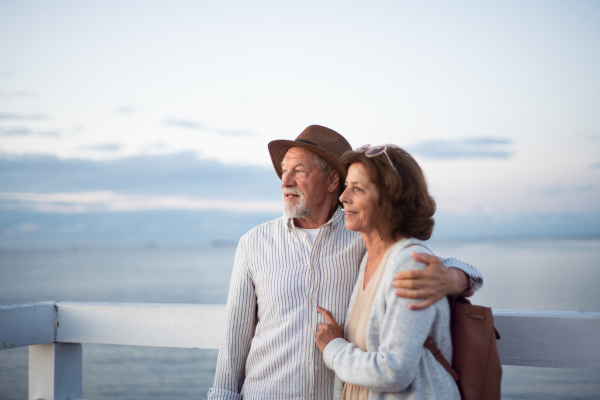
<point>430,345</point>
<point>417,244</point>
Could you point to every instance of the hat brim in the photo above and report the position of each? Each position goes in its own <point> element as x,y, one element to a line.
<point>278,149</point>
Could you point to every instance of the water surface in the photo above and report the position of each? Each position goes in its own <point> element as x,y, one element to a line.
<point>519,275</point>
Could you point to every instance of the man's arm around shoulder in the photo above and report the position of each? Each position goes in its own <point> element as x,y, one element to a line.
<point>440,278</point>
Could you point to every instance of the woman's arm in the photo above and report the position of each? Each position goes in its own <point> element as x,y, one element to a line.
<point>402,333</point>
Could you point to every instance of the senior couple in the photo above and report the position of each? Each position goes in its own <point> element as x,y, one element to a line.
<point>298,279</point>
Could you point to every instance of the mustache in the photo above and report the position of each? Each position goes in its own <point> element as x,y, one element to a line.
<point>294,191</point>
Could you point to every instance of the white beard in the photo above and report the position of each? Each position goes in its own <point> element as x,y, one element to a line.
<point>297,208</point>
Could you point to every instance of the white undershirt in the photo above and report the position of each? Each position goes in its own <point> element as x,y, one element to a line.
<point>312,233</point>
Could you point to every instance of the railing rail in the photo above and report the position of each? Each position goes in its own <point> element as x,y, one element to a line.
<point>56,330</point>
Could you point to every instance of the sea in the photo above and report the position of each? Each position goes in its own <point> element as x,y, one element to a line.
<point>520,274</point>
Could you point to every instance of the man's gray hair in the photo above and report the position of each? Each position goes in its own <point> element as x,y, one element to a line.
<point>324,165</point>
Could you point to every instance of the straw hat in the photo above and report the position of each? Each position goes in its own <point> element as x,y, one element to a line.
<point>320,140</point>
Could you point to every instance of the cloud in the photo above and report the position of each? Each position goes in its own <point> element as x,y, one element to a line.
<point>26,132</point>
<point>181,174</point>
<point>233,132</point>
<point>76,129</point>
<point>16,93</point>
<point>584,188</point>
<point>595,166</point>
<point>180,123</point>
<point>156,145</point>
<point>199,126</point>
<point>558,189</point>
<point>516,224</point>
<point>482,147</point>
<point>6,74</point>
<point>124,110</point>
<point>108,201</point>
<point>104,147</point>
<point>125,228</point>
<point>23,228</point>
<point>23,117</point>
<point>15,131</point>
<point>552,190</point>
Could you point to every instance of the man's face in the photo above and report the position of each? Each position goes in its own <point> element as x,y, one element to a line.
<point>303,185</point>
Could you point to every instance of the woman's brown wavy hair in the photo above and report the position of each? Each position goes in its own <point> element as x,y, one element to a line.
<point>405,206</point>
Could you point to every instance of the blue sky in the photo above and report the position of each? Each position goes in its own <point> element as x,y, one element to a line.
<point>131,106</point>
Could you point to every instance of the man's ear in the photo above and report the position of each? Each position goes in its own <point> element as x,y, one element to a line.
<point>334,181</point>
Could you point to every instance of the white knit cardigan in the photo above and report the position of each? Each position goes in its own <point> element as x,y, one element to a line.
<point>396,365</point>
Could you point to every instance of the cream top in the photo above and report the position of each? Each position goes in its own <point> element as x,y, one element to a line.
<point>356,325</point>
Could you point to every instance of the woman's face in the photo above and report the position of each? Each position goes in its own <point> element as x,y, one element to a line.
<point>360,199</point>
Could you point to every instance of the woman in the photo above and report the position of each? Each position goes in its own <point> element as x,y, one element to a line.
<point>383,357</point>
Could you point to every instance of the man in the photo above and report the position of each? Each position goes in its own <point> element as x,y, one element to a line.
<point>287,267</point>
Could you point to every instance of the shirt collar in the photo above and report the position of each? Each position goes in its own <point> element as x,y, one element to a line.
<point>335,219</point>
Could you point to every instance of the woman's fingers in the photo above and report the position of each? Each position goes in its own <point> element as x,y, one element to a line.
<point>326,333</point>
<point>321,341</point>
<point>321,327</point>
<point>327,315</point>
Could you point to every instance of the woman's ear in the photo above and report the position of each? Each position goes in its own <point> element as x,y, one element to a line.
<point>334,181</point>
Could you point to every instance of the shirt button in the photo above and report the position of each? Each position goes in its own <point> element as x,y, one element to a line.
<point>310,329</point>
<point>307,363</point>
<point>312,265</point>
<point>308,396</point>
<point>312,297</point>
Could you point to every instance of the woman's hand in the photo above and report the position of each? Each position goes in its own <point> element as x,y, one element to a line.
<point>329,331</point>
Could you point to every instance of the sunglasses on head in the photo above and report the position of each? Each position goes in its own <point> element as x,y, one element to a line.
<point>376,150</point>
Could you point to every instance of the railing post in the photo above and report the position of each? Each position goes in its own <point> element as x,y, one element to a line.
<point>55,371</point>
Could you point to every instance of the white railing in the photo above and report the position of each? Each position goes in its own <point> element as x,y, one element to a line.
<point>55,332</point>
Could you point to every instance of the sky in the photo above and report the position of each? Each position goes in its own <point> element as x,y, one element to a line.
<point>117,107</point>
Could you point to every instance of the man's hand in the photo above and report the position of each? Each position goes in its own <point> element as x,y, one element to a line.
<point>430,284</point>
<point>329,331</point>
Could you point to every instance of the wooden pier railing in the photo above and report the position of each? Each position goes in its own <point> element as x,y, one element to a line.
<point>55,331</point>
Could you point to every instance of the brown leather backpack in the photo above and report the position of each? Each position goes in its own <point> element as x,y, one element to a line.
<point>475,362</point>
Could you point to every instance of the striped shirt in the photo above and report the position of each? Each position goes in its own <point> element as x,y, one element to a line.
<point>278,280</point>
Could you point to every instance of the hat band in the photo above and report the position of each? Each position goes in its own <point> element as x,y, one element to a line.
<point>306,141</point>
